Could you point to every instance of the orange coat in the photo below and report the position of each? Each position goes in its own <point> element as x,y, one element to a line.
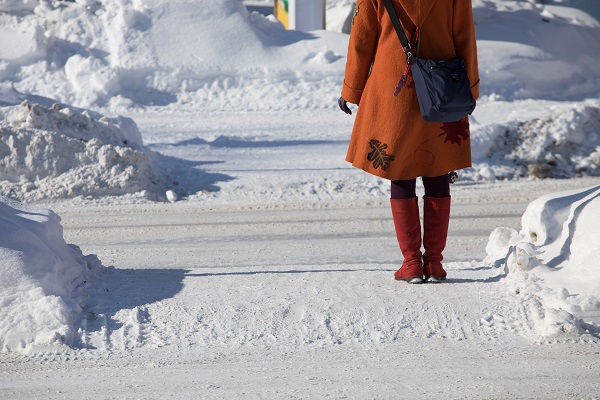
<point>390,139</point>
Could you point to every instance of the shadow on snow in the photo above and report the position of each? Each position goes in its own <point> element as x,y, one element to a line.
<point>228,142</point>
<point>185,177</point>
<point>114,290</point>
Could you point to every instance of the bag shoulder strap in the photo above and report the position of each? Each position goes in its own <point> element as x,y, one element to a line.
<point>399,31</point>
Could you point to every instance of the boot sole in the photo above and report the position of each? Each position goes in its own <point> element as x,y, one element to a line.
<point>414,280</point>
<point>433,279</point>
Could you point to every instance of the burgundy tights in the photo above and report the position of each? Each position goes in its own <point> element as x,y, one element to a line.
<point>434,187</point>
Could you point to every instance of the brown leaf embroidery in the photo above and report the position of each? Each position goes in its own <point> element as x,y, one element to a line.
<point>378,156</point>
<point>456,132</point>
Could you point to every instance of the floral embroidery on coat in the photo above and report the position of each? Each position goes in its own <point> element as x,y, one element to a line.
<point>378,156</point>
<point>455,132</point>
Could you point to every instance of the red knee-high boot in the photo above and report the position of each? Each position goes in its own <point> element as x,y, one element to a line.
<point>408,231</point>
<point>436,217</point>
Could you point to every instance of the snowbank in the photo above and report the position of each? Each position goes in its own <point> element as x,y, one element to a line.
<point>215,54</point>
<point>125,53</point>
<point>339,15</point>
<point>61,152</point>
<point>41,280</point>
<point>562,145</point>
<point>532,50</point>
<point>552,263</point>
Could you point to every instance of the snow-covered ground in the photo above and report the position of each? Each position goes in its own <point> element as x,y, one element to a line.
<point>193,154</point>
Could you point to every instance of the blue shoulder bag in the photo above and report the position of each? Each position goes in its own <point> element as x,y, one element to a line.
<point>443,87</point>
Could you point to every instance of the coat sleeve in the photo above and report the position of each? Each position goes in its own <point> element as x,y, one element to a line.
<point>463,31</point>
<point>361,50</point>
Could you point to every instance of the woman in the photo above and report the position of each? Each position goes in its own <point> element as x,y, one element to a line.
<point>390,139</point>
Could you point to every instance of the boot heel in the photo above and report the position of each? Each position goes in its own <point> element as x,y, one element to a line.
<point>416,280</point>
<point>433,279</point>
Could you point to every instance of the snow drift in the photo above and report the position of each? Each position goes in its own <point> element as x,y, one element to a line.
<point>41,280</point>
<point>564,144</point>
<point>126,53</point>
<point>552,263</point>
<point>214,54</point>
<point>61,152</point>
<point>536,50</point>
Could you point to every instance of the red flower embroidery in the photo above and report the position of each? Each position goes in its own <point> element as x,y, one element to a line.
<point>456,132</point>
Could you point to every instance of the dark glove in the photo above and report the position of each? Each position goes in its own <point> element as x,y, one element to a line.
<point>344,106</point>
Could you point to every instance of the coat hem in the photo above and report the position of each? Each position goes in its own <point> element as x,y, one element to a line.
<point>385,175</point>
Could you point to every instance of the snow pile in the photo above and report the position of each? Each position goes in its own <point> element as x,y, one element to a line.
<point>214,55</point>
<point>562,145</point>
<point>41,279</point>
<point>532,50</point>
<point>60,152</point>
<point>126,52</point>
<point>552,263</point>
<point>339,15</point>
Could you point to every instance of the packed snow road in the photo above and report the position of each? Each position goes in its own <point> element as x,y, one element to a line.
<point>300,303</point>
<point>192,235</point>
<point>251,240</point>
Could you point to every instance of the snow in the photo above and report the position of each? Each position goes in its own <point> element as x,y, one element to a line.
<point>547,56</point>
<point>61,152</point>
<point>43,280</point>
<point>197,148</point>
<point>561,145</point>
<point>553,260</point>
